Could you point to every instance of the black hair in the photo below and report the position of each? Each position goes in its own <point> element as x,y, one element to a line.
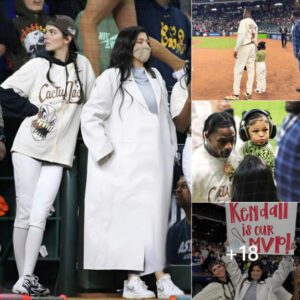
<point>248,11</point>
<point>122,54</point>
<point>264,276</point>
<point>296,13</point>
<point>261,45</point>
<point>228,280</point>
<point>293,107</point>
<point>258,263</point>
<point>253,182</point>
<point>213,263</point>
<point>254,116</point>
<point>187,72</point>
<point>73,59</point>
<point>218,120</point>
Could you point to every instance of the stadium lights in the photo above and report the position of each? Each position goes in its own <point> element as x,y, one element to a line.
<point>278,4</point>
<point>213,9</point>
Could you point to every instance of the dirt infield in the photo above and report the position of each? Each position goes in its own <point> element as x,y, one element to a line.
<point>212,76</point>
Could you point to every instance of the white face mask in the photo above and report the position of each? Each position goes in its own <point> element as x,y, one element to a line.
<point>142,53</point>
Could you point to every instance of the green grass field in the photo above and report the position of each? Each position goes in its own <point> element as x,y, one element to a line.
<point>218,42</point>
<point>214,42</point>
<point>276,109</point>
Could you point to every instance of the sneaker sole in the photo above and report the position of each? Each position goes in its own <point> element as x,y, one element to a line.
<point>138,297</point>
<point>39,294</point>
<point>231,99</point>
<point>19,293</point>
<point>161,296</point>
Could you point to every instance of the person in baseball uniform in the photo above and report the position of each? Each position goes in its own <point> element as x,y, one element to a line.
<point>244,53</point>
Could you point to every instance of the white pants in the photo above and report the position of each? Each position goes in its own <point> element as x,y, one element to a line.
<point>187,161</point>
<point>36,184</point>
<point>245,57</point>
<point>261,76</point>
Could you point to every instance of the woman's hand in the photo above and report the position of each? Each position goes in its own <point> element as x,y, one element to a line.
<point>293,245</point>
<point>2,150</point>
<point>2,49</point>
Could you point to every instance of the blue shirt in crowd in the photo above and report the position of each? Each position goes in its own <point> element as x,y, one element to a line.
<point>171,27</point>
<point>296,38</point>
<point>287,163</point>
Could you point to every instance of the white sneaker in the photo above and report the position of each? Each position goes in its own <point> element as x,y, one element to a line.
<point>166,288</point>
<point>258,91</point>
<point>23,285</point>
<point>135,288</point>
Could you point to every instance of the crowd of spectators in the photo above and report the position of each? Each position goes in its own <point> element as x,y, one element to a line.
<point>205,252</point>
<point>224,18</point>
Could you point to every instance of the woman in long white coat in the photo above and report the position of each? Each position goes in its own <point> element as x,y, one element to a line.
<point>131,139</point>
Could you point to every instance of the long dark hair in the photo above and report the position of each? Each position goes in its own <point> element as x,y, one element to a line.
<point>253,181</point>
<point>264,276</point>
<point>73,59</point>
<point>228,281</point>
<point>187,73</point>
<point>122,54</point>
<point>258,263</point>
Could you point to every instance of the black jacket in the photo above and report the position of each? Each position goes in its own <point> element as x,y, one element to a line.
<point>30,27</point>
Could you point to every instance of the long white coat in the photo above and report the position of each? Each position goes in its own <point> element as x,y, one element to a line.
<point>129,180</point>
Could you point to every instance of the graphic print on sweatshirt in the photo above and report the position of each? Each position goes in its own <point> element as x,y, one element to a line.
<point>51,98</point>
<point>44,122</point>
<point>54,94</point>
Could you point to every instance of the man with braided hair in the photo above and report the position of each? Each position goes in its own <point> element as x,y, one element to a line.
<point>213,162</point>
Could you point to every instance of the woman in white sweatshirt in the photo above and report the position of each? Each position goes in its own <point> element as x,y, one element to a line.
<point>49,91</point>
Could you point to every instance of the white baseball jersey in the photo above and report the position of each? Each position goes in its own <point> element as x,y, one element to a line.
<point>210,183</point>
<point>247,33</point>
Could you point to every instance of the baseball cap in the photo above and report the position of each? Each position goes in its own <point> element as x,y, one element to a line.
<point>66,25</point>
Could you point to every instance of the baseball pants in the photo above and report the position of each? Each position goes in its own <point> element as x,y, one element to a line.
<point>245,57</point>
<point>261,76</point>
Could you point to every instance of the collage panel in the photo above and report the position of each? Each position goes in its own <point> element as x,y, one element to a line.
<point>95,172</point>
<point>246,251</point>
<point>245,154</point>
<point>246,50</point>
<point>245,151</point>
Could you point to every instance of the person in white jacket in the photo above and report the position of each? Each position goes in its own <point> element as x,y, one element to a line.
<point>131,139</point>
<point>180,108</point>
<point>255,284</point>
<point>213,161</point>
<point>222,288</point>
<point>49,91</point>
